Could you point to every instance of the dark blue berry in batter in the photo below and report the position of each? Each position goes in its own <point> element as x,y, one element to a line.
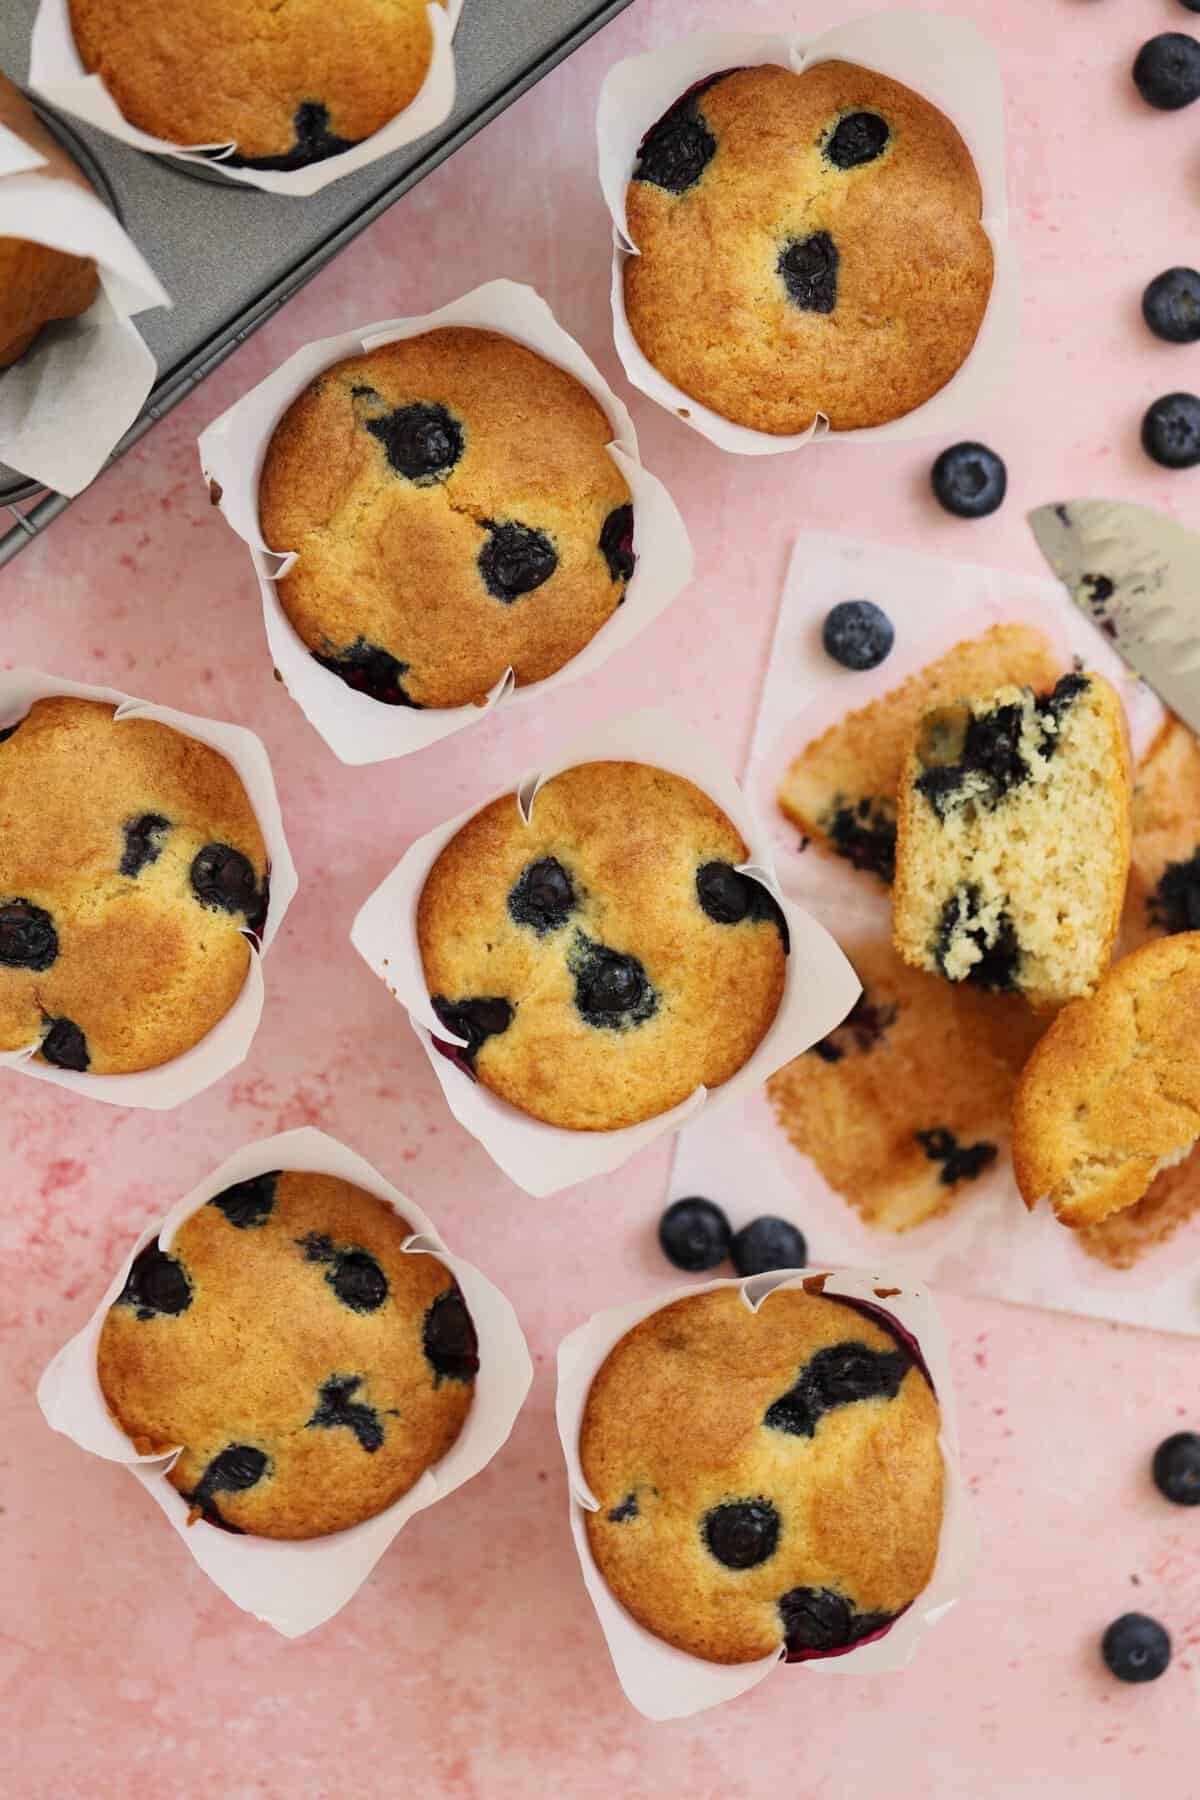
<point>768,1243</point>
<point>628,1509</point>
<point>858,138</point>
<point>741,1533</point>
<point>1135,1648</point>
<point>28,939</point>
<point>354,1275</point>
<point>8,731</point>
<point>542,896</point>
<point>234,1470</point>
<point>676,151</point>
<point>836,1376</point>
<point>422,442</point>
<point>143,842</point>
<point>156,1284</point>
<point>809,269</point>
<point>858,634</point>
<point>969,480</point>
<point>336,1406</point>
<point>449,1338</point>
<point>224,879</point>
<point>515,560</point>
<point>960,1162</point>
<point>1175,903</point>
<point>314,142</point>
<point>475,1020</point>
<point>1171,306</point>
<point>616,543</point>
<point>1171,431</point>
<point>248,1204</point>
<point>1166,70</point>
<point>728,897</point>
<point>611,990</point>
<point>694,1234</point>
<point>1176,1468</point>
<point>65,1045</point>
<point>370,670</point>
<point>818,1619</point>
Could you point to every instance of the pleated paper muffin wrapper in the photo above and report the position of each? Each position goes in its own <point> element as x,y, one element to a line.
<point>819,985</point>
<point>296,1584</point>
<point>69,400</point>
<point>945,60</point>
<point>57,73</point>
<point>665,1683</point>
<point>227,1044</point>
<point>357,728</point>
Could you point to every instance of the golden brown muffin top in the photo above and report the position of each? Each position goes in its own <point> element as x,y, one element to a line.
<point>37,283</point>
<point>455,513</point>
<point>605,959</point>
<point>807,243</point>
<point>764,1477</point>
<point>309,1367</point>
<point>131,868</point>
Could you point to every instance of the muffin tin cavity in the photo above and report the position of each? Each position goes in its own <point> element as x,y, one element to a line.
<point>819,1619</point>
<point>28,939</point>
<point>543,896</point>
<point>336,1408</point>
<point>370,670</point>
<point>248,1204</point>
<point>449,1340</point>
<point>515,560</point>
<point>353,1274</point>
<point>65,1045</point>
<point>423,443</point>
<point>808,268</point>
<point>857,138</point>
<point>837,1376</point>
<point>612,990</point>
<point>741,1533</point>
<point>143,842</point>
<point>960,1162</point>
<point>156,1284</point>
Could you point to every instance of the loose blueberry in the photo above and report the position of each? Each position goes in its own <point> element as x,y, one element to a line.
<point>818,1619</point>
<point>858,138</point>
<point>728,897</point>
<point>542,896</point>
<point>234,1470</point>
<point>156,1283</point>
<point>741,1533</point>
<point>370,670</point>
<point>616,543</point>
<point>1171,431</point>
<point>314,142</point>
<point>475,1020</point>
<point>694,1234</point>
<point>65,1045</point>
<point>767,1243</point>
<point>960,1162</point>
<point>515,560</point>
<point>969,480</point>
<point>1175,903</point>
<point>449,1338</point>
<point>422,442</point>
<point>28,939</point>
<point>1192,5</point>
<point>628,1509</point>
<point>248,1204</point>
<point>143,842</point>
<point>1135,1648</point>
<point>809,269</point>
<point>611,990</point>
<point>858,634</point>
<point>1171,304</point>
<point>838,1375</point>
<point>676,151</point>
<point>224,879</point>
<point>335,1406</point>
<point>1176,1468</point>
<point>1166,70</point>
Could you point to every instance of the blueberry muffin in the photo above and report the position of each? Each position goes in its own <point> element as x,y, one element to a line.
<point>605,959</point>
<point>307,1368</point>
<point>38,284</point>
<point>132,869</point>
<point>904,1108</point>
<point>807,243</point>
<point>1111,1095</point>
<point>287,85</point>
<point>1164,874</point>
<point>455,513</point>
<point>765,1479</point>
<point>1123,1238</point>
<point>840,791</point>
<point>1012,846</point>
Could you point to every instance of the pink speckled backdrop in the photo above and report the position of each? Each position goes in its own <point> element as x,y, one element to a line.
<point>469,1665</point>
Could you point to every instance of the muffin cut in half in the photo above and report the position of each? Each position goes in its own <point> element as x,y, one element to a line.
<point>1012,845</point>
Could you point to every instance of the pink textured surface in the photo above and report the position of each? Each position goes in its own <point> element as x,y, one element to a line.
<point>470,1664</point>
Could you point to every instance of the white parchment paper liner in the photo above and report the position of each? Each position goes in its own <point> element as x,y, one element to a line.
<point>944,59</point>
<point>69,400</point>
<point>58,75</point>
<point>665,1683</point>
<point>357,728</point>
<point>819,987</point>
<point>226,1045</point>
<point>297,1584</point>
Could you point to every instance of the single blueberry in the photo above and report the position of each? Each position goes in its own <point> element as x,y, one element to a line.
<point>628,1509</point>
<point>768,1243</point>
<point>422,442</point>
<point>336,1406</point>
<point>838,1375</point>
<point>358,1281</point>
<point>728,897</point>
<point>143,842</point>
<point>1176,1468</point>
<point>858,634</point>
<point>1175,903</point>
<point>677,149</point>
<point>449,1338</point>
<point>542,896</point>
<point>611,989</point>
<point>65,1045</point>
<point>857,138</point>
<point>248,1204</point>
<point>156,1283</point>
<point>1171,304</point>
<point>515,560</point>
<point>314,142</point>
<point>28,939</point>
<point>370,670</point>
<point>1166,71</point>
<point>694,1234</point>
<point>816,1620</point>
<point>476,1020</point>
<point>616,543</point>
<point>741,1533</point>
<point>224,879</point>
<point>809,269</point>
<point>1171,431</point>
<point>960,1162</point>
<point>969,480</point>
<point>1135,1648</point>
<point>234,1470</point>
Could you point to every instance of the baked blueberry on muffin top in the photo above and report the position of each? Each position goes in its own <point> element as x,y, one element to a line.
<point>131,870</point>
<point>307,1367</point>
<point>606,958</point>
<point>807,243</point>
<point>764,1479</point>
<point>455,513</point>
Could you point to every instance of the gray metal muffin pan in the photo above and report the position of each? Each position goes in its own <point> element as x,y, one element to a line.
<point>230,256</point>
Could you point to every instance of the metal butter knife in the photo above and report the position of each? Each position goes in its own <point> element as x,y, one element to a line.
<point>1136,574</point>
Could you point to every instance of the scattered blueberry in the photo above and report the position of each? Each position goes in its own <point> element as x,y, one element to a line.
<point>809,269</point>
<point>314,142</point>
<point>475,1020</point>
<point>676,151</point>
<point>727,897</point>
<point>248,1204</point>
<point>65,1046</point>
<point>1166,70</point>
<point>422,442</point>
<point>28,939</point>
<point>370,670</point>
<point>611,990</point>
<point>969,480</point>
<point>765,1244</point>
<point>694,1234</point>
<point>1135,1648</point>
<point>616,543</point>
<point>858,634</point>
<point>858,138</point>
<point>628,1509</point>
<point>223,878</point>
<point>354,1275</point>
<point>1171,431</point>
<point>449,1338</point>
<point>336,1406</point>
<point>515,560</point>
<point>143,842</point>
<point>542,896</point>
<point>1171,304</point>
<point>1176,1468</point>
<point>741,1533</point>
<point>156,1283</point>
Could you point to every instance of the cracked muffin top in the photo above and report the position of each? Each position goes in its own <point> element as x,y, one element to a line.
<point>807,243</point>
<point>766,1479</point>
<point>309,1367</point>
<point>288,82</point>
<point>131,869</point>
<point>454,512</point>
<point>606,958</point>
